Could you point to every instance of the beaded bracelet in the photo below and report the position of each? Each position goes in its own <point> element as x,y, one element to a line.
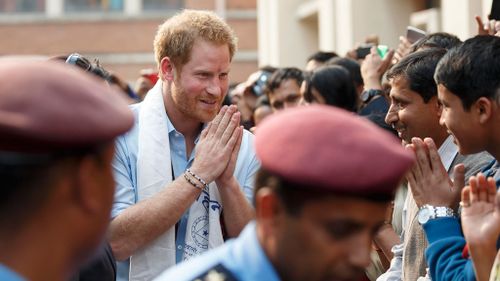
<point>192,182</point>
<point>204,183</point>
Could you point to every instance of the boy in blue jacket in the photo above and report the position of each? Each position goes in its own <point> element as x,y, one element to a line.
<point>468,79</point>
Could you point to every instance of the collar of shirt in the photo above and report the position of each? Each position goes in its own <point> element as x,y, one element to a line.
<point>248,258</point>
<point>173,131</point>
<point>448,151</point>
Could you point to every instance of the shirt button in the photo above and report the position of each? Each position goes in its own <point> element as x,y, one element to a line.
<point>179,247</point>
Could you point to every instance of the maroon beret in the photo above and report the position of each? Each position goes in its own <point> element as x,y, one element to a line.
<point>330,149</point>
<point>49,106</point>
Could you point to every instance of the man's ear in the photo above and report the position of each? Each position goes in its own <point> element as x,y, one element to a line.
<point>435,103</point>
<point>87,193</point>
<point>167,69</point>
<point>268,207</point>
<point>483,108</point>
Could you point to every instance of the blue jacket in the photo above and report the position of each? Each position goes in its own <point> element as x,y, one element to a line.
<point>446,244</point>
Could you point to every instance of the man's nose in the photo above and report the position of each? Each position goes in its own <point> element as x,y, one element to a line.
<point>392,115</point>
<point>442,119</point>
<point>359,256</point>
<point>214,87</point>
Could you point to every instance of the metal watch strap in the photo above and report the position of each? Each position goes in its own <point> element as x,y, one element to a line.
<point>443,212</point>
<point>440,211</point>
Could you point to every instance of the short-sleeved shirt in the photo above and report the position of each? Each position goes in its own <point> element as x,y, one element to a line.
<point>243,257</point>
<point>125,170</point>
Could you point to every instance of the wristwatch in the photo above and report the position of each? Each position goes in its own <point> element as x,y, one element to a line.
<point>367,95</point>
<point>428,212</point>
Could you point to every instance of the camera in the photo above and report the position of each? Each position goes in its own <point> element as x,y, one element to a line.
<point>259,85</point>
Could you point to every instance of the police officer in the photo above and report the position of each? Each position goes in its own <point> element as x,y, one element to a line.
<point>326,180</point>
<point>57,130</point>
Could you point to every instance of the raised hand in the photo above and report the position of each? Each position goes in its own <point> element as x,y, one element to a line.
<point>481,222</point>
<point>373,67</point>
<point>403,49</point>
<point>429,180</point>
<point>481,210</point>
<point>228,174</point>
<point>485,28</point>
<point>216,145</point>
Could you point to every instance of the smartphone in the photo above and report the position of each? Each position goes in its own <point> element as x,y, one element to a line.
<point>382,50</point>
<point>413,34</point>
<point>363,50</point>
<point>495,10</point>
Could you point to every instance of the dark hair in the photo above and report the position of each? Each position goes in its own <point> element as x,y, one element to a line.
<point>379,120</point>
<point>322,56</point>
<point>437,40</point>
<point>472,70</point>
<point>335,85</point>
<point>261,101</point>
<point>295,196</point>
<point>95,68</point>
<point>282,74</point>
<point>418,69</point>
<point>268,68</point>
<point>351,65</point>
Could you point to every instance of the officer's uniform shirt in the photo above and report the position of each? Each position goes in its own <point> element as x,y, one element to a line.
<point>239,259</point>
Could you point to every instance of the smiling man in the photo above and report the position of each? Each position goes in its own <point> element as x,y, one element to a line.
<point>315,218</point>
<point>181,190</point>
<point>468,80</point>
<point>414,112</point>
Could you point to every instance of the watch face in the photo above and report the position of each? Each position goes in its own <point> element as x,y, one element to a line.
<point>424,215</point>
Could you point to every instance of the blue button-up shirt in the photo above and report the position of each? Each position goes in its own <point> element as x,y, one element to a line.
<point>125,169</point>
<point>243,257</point>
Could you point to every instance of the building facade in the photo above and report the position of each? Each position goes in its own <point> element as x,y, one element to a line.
<point>290,30</point>
<point>119,33</point>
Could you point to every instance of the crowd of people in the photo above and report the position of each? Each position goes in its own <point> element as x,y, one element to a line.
<point>371,166</point>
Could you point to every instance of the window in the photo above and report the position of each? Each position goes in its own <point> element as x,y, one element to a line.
<point>22,6</point>
<point>61,7</point>
<point>154,5</point>
<point>76,6</point>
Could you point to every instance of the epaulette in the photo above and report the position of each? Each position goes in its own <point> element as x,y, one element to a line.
<point>217,272</point>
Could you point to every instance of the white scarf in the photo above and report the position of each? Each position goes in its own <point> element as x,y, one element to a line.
<point>154,172</point>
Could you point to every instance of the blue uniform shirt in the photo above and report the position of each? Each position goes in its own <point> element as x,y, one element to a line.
<point>125,170</point>
<point>243,257</point>
<point>8,275</point>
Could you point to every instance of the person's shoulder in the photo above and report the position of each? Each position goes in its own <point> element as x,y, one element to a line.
<point>474,163</point>
<point>200,266</point>
<point>247,140</point>
<point>217,272</point>
<point>132,133</point>
<point>247,135</point>
<point>378,105</point>
<point>483,158</point>
<point>135,108</point>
